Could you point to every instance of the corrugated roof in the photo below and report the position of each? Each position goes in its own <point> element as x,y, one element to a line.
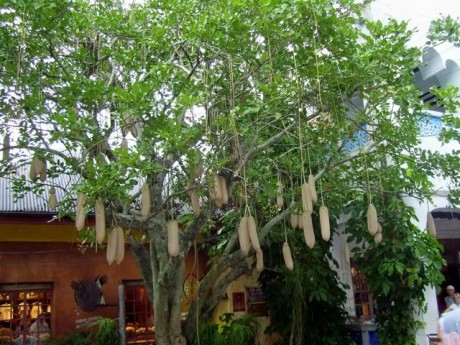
<point>30,201</point>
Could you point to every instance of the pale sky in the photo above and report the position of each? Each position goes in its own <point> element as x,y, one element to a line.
<point>419,13</point>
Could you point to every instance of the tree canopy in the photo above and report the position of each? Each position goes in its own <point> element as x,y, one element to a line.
<point>445,29</point>
<point>180,94</point>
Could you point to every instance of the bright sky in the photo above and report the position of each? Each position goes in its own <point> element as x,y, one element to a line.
<point>419,13</point>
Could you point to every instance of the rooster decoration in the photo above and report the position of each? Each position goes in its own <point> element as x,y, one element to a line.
<point>88,293</point>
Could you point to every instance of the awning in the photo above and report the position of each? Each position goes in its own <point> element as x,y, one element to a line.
<point>446,213</point>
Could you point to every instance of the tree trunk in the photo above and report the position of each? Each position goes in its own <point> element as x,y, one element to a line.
<point>164,275</point>
<point>167,287</point>
<point>142,256</point>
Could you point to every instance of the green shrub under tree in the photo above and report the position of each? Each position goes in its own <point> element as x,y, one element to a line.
<point>242,331</point>
<point>398,269</point>
<point>306,304</point>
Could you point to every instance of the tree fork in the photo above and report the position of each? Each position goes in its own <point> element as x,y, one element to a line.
<point>142,256</point>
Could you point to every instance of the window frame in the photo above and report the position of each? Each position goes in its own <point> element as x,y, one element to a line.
<point>19,295</point>
<point>139,316</point>
<point>363,301</point>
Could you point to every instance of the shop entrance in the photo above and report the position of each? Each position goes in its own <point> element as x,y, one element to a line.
<point>26,310</point>
<point>140,328</point>
<point>447,222</point>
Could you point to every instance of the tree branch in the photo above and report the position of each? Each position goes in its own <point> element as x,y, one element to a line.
<point>186,70</point>
<point>72,162</point>
<point>330,166</point>
<point>231,241</point>
<point>142,255</point>
<point>263,146</point>
<point>236,261</point>
<point>269,142</point>
<point>54,56</point>
<point>154,264</point>
<point>112,75</point>
<point>275,220</point>
<point>218,291</point>
<point>133,220</point>
<point>192,231</point>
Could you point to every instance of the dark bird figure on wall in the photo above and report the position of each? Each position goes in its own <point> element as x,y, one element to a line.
<point>88,293</point>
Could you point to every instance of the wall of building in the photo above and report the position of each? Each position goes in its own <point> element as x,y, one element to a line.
<point>226,305</point>
<point>439,66</point>
<point>419,14</point>
<point>59,263</point>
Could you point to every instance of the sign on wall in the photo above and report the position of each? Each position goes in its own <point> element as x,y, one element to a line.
<point>257,301</point>
<point>239,303</point>
<point>88,293</point>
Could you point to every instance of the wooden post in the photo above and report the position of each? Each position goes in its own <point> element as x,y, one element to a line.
<point>121,314</point>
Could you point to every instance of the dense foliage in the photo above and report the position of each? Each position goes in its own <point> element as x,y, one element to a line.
<point>445,29</point>
<point>106,333</point>
<point>232,330</point>
<point>308,304</point>
<point>398,269</point>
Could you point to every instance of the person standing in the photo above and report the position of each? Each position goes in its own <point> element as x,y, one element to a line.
<point>456,304</point>
<point>40,329</point>
<point>449,328</point>
<point>449,299</point>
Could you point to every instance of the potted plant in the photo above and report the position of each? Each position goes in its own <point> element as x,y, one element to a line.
<point>107,332</point>
<point>241,331</point>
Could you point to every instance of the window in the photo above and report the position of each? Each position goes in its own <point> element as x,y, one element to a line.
<point>363,300</point>
<point>21,305</point>
<point>138,311</point>
<point>430,100</point>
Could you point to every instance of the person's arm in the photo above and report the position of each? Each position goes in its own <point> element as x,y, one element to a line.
<point>33,328</point>
<point>440,335</point>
